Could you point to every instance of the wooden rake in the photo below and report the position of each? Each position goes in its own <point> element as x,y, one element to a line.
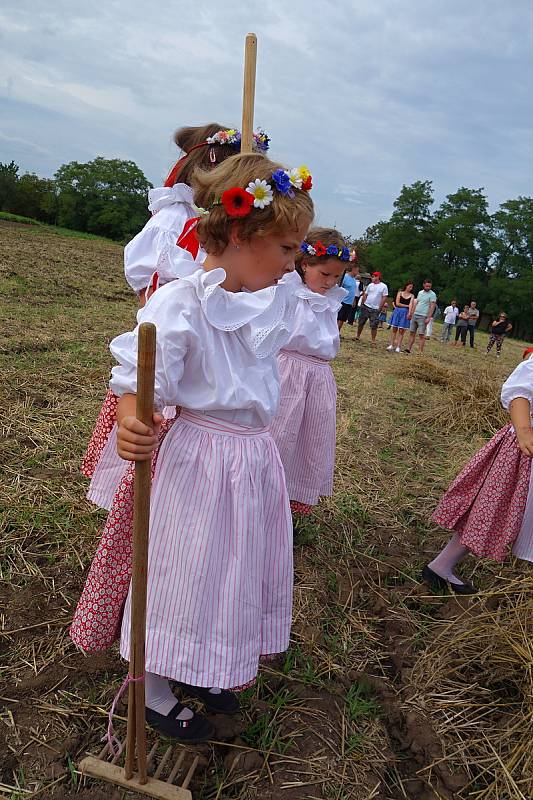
<point>105,766</point>
<point>100,766</point>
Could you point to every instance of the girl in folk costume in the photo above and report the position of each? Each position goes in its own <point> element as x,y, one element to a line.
<point>490,504</point>
<point>152,259</point>
<point>304,427</point>
<point>220,551</point>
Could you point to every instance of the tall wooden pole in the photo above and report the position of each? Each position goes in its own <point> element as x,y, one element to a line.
<point>141,523</point>
<point>248,96</point>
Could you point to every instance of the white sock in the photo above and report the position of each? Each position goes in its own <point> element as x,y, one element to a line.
<point>159,697</point>
<point>448,558</point>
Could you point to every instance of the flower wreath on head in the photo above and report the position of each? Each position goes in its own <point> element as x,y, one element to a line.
<point>330,251</point>
<point>259,193</point>
<point>232,137</point>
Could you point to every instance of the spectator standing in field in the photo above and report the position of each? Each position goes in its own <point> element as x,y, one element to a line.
<point>421,313</point>
<point>473,316</point>
<point>398,321</point>
<point>461,328</point>
<point>451,313</point>
<point>352,283</point>
<point>373,300</point>
<point>498,329</point>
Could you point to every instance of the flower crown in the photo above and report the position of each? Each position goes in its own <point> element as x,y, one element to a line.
<point>330,251</point>
<point>259,193</point>
<point>232,137</point>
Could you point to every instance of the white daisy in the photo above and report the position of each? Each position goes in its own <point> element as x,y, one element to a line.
<point>295,178</point>
<point>261,192</point>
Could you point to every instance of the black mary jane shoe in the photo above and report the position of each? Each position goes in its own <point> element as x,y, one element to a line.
<point>224,702</point>
<point>191,731</point>
<point>440,584</point>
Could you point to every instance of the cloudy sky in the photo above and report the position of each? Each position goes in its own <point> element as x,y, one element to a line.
<point>371,94</point>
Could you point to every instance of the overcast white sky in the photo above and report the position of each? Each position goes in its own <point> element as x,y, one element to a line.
<point>370,94</point>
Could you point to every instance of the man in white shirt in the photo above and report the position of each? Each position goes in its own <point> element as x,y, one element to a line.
<point>372,302</point>
<point>450,318</point>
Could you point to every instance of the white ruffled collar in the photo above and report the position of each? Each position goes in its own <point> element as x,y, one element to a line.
<point>264,318</point>
<point>168,195</point>
<point>318,302</point>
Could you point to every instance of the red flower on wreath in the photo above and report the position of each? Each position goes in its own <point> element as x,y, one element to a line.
<point>237,202</point>
<point>307,184</point>
<point>320,250</point>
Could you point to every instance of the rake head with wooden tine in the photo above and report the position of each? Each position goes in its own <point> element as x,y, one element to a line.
<point>100,766</point>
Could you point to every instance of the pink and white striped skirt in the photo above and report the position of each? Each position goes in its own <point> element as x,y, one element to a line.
<point>101,462</point>
<point>304,428</point>
<point>220,558</point>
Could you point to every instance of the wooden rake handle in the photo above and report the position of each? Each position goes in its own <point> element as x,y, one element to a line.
<point>248,95</point>
<point>136,734</point>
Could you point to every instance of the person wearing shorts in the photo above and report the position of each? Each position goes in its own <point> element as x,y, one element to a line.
<point>373,301</point>
<point>352,283</point>
<point>420,315</point>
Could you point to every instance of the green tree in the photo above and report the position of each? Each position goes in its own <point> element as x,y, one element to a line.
<point>511,284</point>
<point>35,197</point>
<point>403,248</point>
<point>104,196</point>
<point>8,183</point>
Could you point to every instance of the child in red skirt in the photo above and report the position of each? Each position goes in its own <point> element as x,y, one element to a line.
<point>490,503</point>
<point>304,427</point>
<point>152,259</point>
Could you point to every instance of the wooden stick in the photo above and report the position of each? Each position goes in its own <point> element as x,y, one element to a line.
<point>248,95</point>
<point>141,522</point>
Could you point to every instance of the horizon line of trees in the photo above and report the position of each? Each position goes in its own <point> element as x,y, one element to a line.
<point>106,197</point>
<point>468,253</point>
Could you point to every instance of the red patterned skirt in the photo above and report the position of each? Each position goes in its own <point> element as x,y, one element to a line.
<point>485,504</point>
<point>104,425</point>
<point>98,616</point>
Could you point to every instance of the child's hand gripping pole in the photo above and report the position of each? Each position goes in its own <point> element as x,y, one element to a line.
<point>248,95</point>
<point>141,522</point>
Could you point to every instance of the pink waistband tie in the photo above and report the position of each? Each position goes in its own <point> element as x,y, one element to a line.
<point>218,425</point>
<point>302,357</point>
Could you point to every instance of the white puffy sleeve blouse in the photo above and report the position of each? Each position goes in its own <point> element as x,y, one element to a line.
<point>519,384</point>
<point>216,350</point>
<point>315,331</point>
<point>153,248</point>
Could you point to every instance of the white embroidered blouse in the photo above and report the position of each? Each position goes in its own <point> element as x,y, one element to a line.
<point>216,350</point>
<point>519,384</point>
<point>153,249</point>
<point>315,331</point>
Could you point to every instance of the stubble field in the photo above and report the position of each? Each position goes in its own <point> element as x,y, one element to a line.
<point>387,692</point>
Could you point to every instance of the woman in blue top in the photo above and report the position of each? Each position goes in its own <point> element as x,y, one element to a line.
<point>352,283</point>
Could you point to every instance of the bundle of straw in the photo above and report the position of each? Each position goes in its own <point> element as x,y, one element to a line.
<point>475,682</point>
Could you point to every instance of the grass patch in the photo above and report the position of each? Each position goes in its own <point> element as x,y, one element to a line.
<point>361,702</point>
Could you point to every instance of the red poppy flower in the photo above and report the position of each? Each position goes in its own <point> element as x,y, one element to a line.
<point>320,250</point>
<point>237,202</point>
<point>307,184</point>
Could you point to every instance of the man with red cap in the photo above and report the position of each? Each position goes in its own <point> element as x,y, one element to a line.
<point>373,301</point>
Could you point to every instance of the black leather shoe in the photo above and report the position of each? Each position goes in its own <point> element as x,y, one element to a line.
<point>434,581</point>
<point>440,584</point>
<point>191,731</point>
<point>224,702</point>
<point>464,588</point>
